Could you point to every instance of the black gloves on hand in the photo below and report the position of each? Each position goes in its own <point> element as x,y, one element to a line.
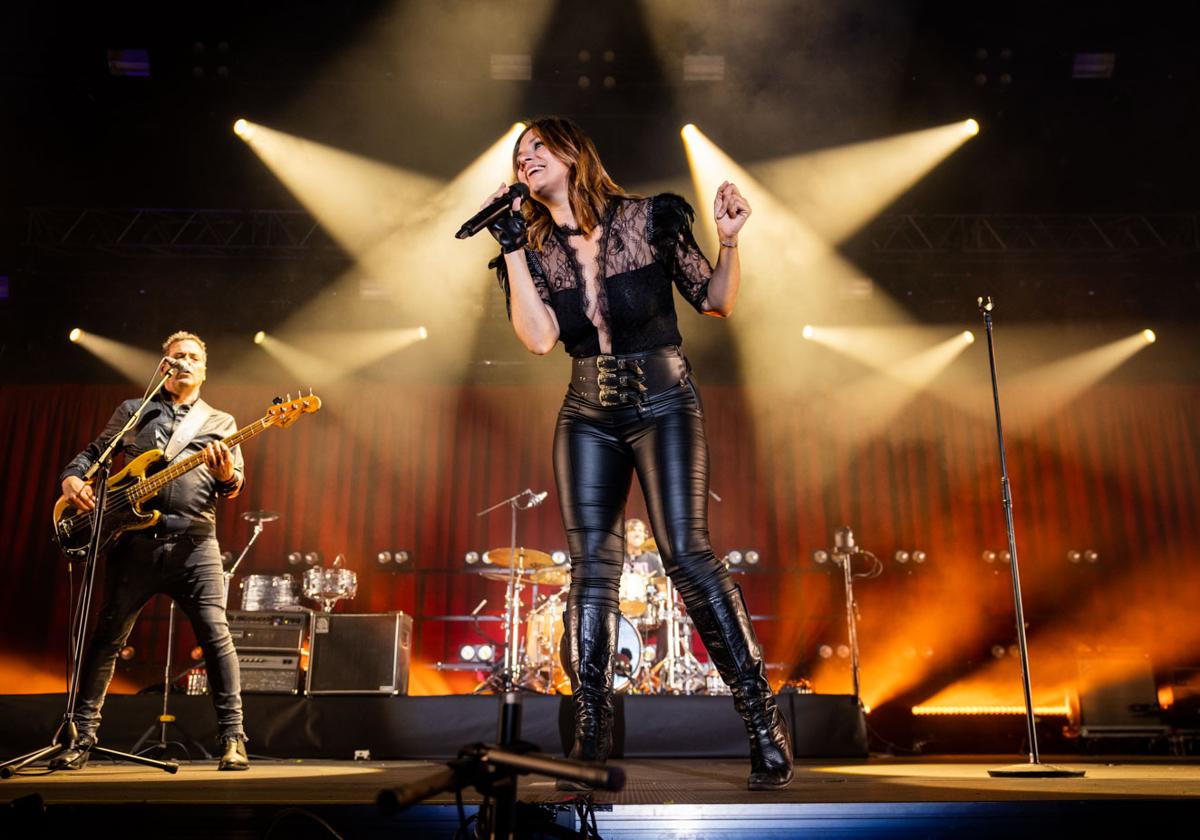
<point>509,231</point>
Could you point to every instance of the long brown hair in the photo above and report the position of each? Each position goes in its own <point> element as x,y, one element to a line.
<point>589,187</point>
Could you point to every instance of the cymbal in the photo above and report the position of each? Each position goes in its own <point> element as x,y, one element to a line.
<point>527,558</point>
<point>554,576</point>
<point>260,516</point>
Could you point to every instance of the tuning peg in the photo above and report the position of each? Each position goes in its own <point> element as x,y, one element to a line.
<point>277,401</point>
<point>289,396</point>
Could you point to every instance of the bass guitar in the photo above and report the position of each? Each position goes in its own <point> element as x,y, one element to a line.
<point>143,477</point>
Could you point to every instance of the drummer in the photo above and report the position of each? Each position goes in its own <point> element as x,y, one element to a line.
<point>638,554</point>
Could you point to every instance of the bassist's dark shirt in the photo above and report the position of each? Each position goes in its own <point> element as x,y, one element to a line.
<point>189,502</point>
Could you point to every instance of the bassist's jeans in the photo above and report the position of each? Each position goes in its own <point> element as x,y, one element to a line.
<point>188,570</point>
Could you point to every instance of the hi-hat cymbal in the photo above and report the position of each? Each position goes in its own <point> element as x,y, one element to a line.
<point>526,558</point>
<point>260,516</point>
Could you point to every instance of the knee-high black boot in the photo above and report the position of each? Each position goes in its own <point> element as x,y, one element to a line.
<point>724,625</point>
<point>589,645</point>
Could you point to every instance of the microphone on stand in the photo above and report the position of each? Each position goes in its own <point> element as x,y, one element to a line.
<point>492,211</point>
<point>177,366</point>
<point>536,499</point>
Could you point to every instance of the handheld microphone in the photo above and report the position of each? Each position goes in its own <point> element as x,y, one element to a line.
<point>492,211</point>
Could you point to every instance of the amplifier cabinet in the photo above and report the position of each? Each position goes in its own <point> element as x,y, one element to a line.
<point>269,673</point>
<point>364,653</point>
<point>282,631</point>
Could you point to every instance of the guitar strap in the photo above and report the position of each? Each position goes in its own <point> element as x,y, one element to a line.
<point>186,431</point>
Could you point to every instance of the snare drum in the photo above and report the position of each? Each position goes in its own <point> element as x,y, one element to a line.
<point>269,592</point>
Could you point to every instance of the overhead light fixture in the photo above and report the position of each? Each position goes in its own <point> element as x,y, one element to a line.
<point>74,335</point>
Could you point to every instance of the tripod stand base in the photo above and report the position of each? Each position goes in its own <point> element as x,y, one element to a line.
<point>1035,771</point>
<point>10,768</point>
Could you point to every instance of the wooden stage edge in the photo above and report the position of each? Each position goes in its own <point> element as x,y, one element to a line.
<point>662,798</point>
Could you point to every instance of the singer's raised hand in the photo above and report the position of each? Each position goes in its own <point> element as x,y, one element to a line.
<point>731,210</point>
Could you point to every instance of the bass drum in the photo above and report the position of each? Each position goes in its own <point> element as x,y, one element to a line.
<point>543,644</point>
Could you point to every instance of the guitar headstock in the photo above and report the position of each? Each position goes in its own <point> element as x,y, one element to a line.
<point>287,411</point>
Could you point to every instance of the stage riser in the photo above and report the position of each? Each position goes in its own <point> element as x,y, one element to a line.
<point>823,726</point>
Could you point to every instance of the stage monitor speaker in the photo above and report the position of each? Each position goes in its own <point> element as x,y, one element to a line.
<point>1117,696</point>
<point>366,653</point>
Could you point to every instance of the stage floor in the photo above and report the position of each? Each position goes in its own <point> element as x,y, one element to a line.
<point>662,798</point>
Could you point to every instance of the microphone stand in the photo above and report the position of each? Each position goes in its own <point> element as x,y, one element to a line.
<point>1035,768</point>
<point>492,769</point>
<point>66,735</point>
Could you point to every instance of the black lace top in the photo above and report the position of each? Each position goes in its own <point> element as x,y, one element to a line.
<point>646,245</point>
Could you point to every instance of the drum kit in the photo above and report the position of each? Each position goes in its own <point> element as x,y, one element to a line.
<point>654,637</point>
<point>270,593</point>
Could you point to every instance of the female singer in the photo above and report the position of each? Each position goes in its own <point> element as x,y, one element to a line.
<point>588,264</point>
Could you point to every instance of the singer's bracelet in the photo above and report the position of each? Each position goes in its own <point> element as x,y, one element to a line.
<point>728,244</point>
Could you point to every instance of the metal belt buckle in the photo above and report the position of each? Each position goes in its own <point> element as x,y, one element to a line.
<point>609,396</point>
<point>606,363</point>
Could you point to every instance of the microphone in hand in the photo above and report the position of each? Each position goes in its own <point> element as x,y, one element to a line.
<point>498,208</point>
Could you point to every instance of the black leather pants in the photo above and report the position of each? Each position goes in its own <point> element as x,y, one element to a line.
<point>597,450</point>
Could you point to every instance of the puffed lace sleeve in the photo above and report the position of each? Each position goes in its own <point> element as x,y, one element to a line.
<point>670,235</point>
<point>535,271</point>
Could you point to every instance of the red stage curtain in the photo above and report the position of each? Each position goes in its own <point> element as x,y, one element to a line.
<point>391,467</point>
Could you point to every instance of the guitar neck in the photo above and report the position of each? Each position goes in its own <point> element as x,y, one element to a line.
<point>159,480</point>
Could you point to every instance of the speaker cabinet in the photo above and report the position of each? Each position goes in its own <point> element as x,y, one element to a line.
<point>366,653</point>
<point>1117,696</point>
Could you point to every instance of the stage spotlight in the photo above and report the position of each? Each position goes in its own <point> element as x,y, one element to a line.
<point>383,558</point>
<point>471,558</point>
<point>312,558</point>
<point>467,653</point>
<point>808,332</point>
<point>968,337</point>
<point>989,556</point>
<point>843,652</point>
<point>752,557</point>
<point>197,653</point>
<point>485,653</point>
<point>75,335</point>
<point>998,651</point>
<point>927,652</point>
<point>422,333</point>
<point>820,556</point>
<point>1091,556</point>
<point>126,653</point>
<point>1074,556</point>
<point>242,129</point>
<point>971,127</point>
<point>825,651</point>
<point>901,557</point>
<point>1149,336</point>
<point>260,337</point>
<point>559,557</point>
<point>295,558</point>
<point>1004,557</point>
<point>734,558</point>
<point>688,131</point>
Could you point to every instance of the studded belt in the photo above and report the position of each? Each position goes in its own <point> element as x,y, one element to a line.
<point>629,378</point>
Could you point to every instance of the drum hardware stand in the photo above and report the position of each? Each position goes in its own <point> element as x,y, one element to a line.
<point>509,674</point>
<point>1035,768</point>
<point>68,732</point>
<point>165,718</point>
<point>679,663</point>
